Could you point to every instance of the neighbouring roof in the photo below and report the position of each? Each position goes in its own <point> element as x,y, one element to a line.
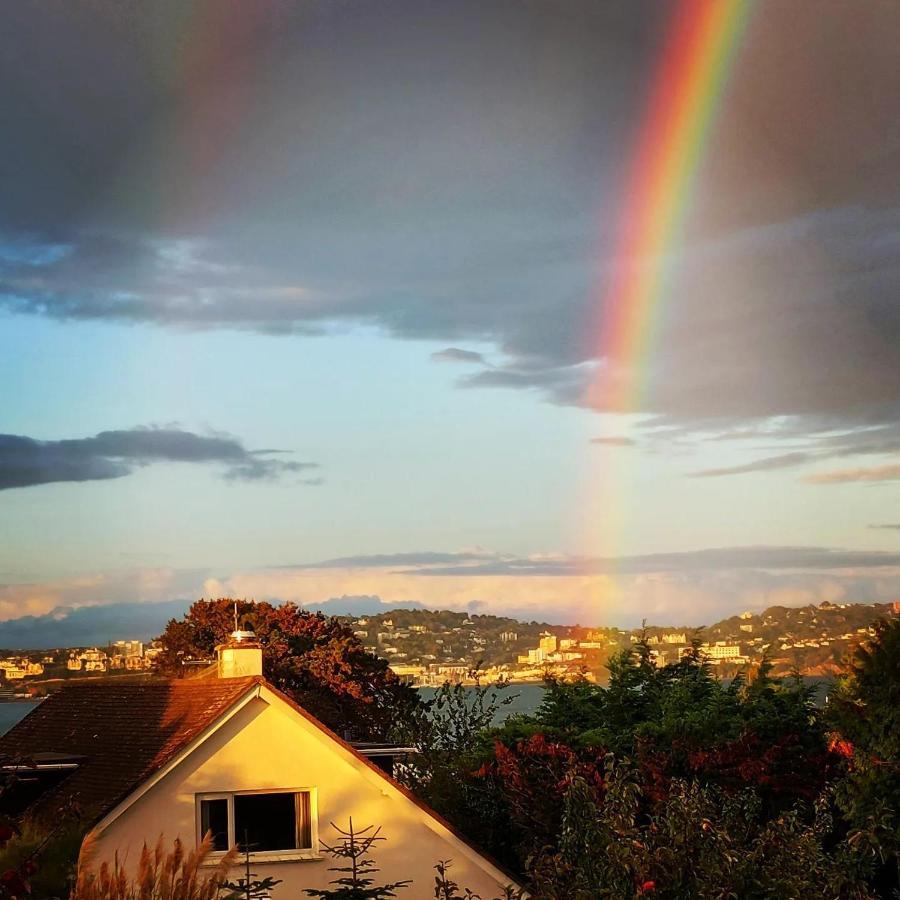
<point>123,733</point>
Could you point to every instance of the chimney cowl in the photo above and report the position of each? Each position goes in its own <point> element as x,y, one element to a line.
<point>243,636</point>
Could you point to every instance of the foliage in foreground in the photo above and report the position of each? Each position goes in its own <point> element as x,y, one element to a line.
<point>669,782</point>
<point>40,862</point>
<point>354,881</point>
<point>248,886</point>
<point>161,875</point>
<point>866,716</point>
<point>697,843</point>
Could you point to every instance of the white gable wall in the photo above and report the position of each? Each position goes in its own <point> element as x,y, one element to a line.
<point>268,745</point>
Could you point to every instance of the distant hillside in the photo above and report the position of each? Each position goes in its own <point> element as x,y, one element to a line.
<point>813,639</point>
<point>98,625</point>
<point>89,625</point>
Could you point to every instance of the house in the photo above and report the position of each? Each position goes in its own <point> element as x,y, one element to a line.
<point>227,752</point>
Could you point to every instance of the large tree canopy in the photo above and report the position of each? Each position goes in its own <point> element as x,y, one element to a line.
<point>866,714</point>
<point>316,660</point>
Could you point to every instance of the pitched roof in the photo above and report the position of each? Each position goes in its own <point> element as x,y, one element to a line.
<point>124,731</point>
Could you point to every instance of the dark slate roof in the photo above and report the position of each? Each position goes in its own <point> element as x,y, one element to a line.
<point>123,733</point>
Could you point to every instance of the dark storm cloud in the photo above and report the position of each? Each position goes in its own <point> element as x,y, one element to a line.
<point>452,173</point>
<point>26,462</point>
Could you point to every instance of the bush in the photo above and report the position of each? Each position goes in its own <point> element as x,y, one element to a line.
<point>47,859</point>
<point>161,875</point>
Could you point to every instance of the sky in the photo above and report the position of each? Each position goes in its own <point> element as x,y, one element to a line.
<point>304,301</point>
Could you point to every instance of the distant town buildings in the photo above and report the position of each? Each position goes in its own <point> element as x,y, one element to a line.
<point>130,655</point>
<point>674,637</point>
<point>721,650</point>
<point>18,668</point>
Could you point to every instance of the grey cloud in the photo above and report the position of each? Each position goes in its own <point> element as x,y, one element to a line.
<point>713,559</point>
<point>564,385</point>
<point>740,434</point>
<point>886,527</point>
<point>614,441</point>
<point>724,558</point>
<point>391,560</point>
<point>822,445</point>
<point>26,462</point>
<point>783,461</point>
<point>707,560</point>
<point>454,354</point>
<point>385,193</point>
<point>691,386</point>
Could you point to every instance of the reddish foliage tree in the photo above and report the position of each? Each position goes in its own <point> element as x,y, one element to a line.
<point>782,768</point>
<point>532,778</point>
<point>315,660</point>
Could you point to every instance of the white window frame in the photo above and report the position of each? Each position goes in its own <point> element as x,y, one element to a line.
<point>263,856</point>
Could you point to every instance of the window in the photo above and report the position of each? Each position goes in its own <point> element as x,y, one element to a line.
<point>214,818</point>
<point>264,822</point>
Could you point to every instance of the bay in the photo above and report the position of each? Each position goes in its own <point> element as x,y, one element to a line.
<point>13,712</point>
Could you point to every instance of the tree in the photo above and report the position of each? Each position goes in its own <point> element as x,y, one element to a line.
<point>445,888</point>
<point>355,881</point>
<point>698,842</point>
<point>630,762</point>
<point>866,714</point>
<point>681,721</point>
<point>249,887</point>
<point>35,860</point>
<point>315,660</point>
<point>451,737</point>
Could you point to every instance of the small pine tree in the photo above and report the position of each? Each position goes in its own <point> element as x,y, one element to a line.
<point>249,887</point>
<point>445,888</point>
<point>356,882</point>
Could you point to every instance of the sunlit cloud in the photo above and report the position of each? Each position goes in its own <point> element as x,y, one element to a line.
<point>889,472</point>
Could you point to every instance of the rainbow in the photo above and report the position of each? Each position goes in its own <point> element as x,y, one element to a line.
<point>685,94</point>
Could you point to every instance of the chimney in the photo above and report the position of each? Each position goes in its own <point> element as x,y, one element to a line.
<point>241,656</point>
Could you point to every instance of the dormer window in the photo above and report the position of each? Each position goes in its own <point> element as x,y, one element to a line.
<point>276,824</point>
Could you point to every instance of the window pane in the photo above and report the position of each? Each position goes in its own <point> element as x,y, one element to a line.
<point>265,821</point>
<point>214,818</point>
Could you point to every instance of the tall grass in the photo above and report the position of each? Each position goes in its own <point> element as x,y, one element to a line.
<point>161,874</point>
